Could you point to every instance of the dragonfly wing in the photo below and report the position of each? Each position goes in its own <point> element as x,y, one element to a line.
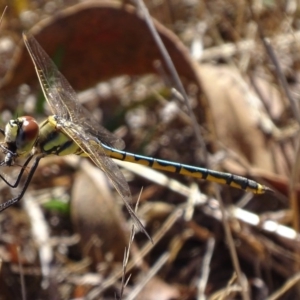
<point>95,129</point>
<point>60,95</point>
<point>97,154</point>
<point>76,122</point>
<point>51,82</point>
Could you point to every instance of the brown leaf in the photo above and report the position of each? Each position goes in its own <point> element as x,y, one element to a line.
<point>99,40</point>
<point>235,119</point>
<point>96,216</point>
<point>158,289</point>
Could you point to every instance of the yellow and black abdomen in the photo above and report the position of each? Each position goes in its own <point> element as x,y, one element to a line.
<point>54,141</point>
<point>198,172</point>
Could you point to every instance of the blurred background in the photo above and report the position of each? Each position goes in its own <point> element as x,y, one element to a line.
<point>238,62</point>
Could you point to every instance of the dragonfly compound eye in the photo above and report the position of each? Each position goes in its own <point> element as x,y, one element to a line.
<point>28,132</point>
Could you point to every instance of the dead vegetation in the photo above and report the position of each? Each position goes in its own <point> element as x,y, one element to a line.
<point>238,62</point>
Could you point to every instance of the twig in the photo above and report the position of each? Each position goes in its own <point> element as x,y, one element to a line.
<point>288,285</point>
<point>179,86</point>
<point>4,11</point>
<point>156,267</point>
<point>232,250</point>
<point>125,262</point>
<point>205,269</point>
<point>23,288</point>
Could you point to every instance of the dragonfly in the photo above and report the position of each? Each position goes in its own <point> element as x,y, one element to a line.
<point>72,130</point>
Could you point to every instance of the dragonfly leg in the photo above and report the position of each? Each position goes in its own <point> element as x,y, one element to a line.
<point>13,185</point>
<point>12,201</point>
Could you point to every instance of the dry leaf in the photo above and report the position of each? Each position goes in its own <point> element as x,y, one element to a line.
<point>96,216</point>
<point>236,117</point>
<point>158,289</point>
<point>96,41</point>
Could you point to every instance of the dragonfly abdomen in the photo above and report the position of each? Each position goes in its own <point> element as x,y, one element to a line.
<point>202,173</point>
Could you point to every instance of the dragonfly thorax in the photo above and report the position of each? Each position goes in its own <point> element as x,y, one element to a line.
<point>59,122</point>
<point>21,135</point>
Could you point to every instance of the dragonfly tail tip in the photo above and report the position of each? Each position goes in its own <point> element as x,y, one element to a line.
<point>268,190</point>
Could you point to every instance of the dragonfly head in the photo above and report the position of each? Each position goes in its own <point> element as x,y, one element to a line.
<point>21,135</point>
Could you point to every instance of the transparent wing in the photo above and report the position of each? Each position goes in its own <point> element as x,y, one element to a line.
<point>61,97</point>
<point>97,154</point>
<point>76,122</point>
